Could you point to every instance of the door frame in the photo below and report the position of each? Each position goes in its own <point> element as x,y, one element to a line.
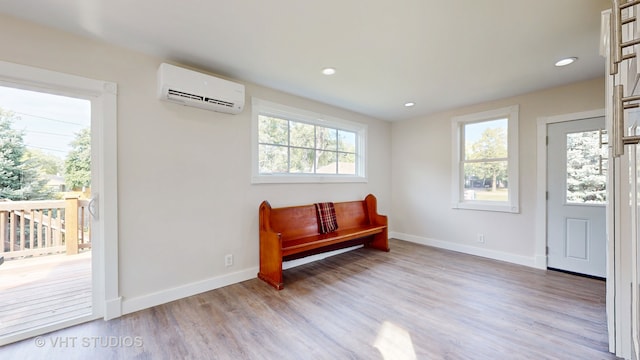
<point>540,251</point>
<point>103,97</point>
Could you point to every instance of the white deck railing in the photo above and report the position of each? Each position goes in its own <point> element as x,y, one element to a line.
<point>32,228</point>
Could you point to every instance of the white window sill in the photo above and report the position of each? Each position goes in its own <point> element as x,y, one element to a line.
<point>306,179</point>
<point>487,206</point>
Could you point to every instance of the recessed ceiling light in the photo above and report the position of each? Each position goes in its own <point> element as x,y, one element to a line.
<point>328,71</point>
<point>409,104</point>
<point>566,61</point>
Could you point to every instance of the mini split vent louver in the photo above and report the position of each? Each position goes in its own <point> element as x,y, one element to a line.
<point>192,88</point>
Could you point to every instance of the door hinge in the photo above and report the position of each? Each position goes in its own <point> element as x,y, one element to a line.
<point>546,195</point>
<point>547,140</point>
<point>547,250</point>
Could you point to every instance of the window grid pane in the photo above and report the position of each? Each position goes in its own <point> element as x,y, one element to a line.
<point>290,147</point>
<point>326,139</point>
<point>347,141</point>
<point>301,161</point>
<point>586,168</point>
<point>273,131</point>
<point>273,159</point>
<point>327,162</point>
<point>302,135</point>
<point>485,140</point>
<point>347,163</point>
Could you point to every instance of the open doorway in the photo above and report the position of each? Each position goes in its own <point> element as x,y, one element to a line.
<point>102,95</point>
<point>45,224</point>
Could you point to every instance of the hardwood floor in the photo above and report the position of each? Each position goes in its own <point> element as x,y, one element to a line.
<point>414,302</point>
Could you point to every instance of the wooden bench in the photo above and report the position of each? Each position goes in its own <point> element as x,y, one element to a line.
<point>290,233</point>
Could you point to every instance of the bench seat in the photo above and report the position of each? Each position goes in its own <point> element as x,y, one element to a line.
<point>306,243</point>
<point>289,233</point>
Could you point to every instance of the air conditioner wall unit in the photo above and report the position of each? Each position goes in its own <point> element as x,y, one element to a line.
<point>192,88</point>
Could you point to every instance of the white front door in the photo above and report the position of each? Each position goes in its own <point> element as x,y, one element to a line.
<point>576,197</point>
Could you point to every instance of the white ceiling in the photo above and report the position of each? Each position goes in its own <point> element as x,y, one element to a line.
<point>439,54</point>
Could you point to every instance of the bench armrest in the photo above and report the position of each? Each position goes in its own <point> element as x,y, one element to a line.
<point>270,249</point>
<point>265,216</point>
<point>372,209</point>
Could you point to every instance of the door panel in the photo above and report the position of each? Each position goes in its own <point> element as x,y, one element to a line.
<point>578,238</point>
<point>576,218</point>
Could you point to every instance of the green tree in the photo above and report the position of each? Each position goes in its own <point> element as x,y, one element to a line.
<point>327,145</point>
<point>49,164</point>
<point>586,168</point>
<point>492,148</point>
<point>20,178</point>
<point>273,139</point>
<point>77,166</point>
<point>302,154</point>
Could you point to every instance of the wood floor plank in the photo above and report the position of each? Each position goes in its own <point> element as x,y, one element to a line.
<point>36,292</point>
<point>415,302</point>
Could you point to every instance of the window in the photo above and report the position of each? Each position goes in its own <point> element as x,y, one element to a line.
<point>293,145</point>
<point>587,168</point>
<point>485,160</point>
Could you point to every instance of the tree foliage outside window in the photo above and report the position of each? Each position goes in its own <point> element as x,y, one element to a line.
<point>77,166</point>
<point>49,164</point>
<point>21,178</point>
<point>25,172</point>
<point>586,168</point>
<point>292,147</point>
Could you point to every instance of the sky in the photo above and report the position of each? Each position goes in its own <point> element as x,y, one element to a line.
<point>473,131</point>
<point>49,122</point>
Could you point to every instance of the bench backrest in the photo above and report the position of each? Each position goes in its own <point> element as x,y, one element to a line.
<point>299,221</point>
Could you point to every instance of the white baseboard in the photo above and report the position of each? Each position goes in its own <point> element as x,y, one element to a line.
<point>471,250</point>
<point>127,306</point>
<point>541,262</point>
<point>168,295</point>
<point>113,308</point>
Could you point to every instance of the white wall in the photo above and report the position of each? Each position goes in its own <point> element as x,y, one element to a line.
<point>422,185</point>
<point>185,198</point>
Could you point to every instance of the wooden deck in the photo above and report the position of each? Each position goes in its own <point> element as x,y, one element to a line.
<point>43,290</point>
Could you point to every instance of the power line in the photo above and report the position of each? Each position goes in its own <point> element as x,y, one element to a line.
<point>51,119</point>
<point>46,148</point>
<point>47,133</point>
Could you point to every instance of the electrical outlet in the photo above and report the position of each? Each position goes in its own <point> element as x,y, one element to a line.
<point>480,238</point>
<point>228,260</point>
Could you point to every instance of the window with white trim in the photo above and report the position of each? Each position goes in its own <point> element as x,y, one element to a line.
<point>294,145</point>
<point>485,160</point>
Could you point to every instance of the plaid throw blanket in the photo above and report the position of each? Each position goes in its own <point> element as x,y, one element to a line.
<point>327,221</point>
